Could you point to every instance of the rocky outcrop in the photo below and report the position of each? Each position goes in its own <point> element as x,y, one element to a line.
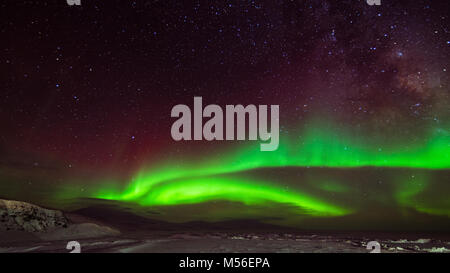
<point>16,215</point>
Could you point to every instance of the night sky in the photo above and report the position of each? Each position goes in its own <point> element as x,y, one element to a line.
<point>90,88</point>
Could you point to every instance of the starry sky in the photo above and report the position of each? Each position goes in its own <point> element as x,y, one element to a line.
<point>89,89</point>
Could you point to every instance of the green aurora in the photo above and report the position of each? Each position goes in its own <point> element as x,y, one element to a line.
<point>180,183</point>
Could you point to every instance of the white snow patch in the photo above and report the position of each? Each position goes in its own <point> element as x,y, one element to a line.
<point>438,250</point>
<point>404,241</point>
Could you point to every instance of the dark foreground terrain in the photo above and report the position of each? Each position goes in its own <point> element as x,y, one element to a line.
<point>102,229</point>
